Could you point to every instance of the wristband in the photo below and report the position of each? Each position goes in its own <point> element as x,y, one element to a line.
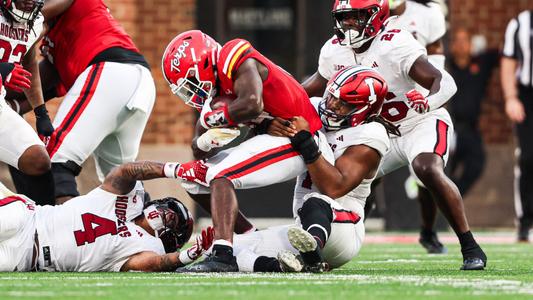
<point>304,144</point>
<point>184,257</point>
<point>40,111</point>
<point>169,170</point>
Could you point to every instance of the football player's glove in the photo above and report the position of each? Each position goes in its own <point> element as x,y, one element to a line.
<point>18,79</point>
<point>43,122</point>
<point>193,171</point>
<point>202,243</point>
<point>216,138</point>
<point>417,101</point>
<point>218,117</point>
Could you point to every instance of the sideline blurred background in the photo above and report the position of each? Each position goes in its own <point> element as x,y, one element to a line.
<point>291,33</point>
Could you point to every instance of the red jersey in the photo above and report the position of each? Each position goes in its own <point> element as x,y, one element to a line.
<point>84,30</point>
<point>283,96</point>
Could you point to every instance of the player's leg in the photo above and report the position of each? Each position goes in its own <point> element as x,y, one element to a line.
<point>428,151</point>
<point>88,114</point>
<point>21,149</point>
<point>525,162</point>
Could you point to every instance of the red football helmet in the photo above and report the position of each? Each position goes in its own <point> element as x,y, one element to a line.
<point>189,66</point>
<point>361,89</point>
<point>369,17</point>
<point>22,11</point>
<point>171,221</point>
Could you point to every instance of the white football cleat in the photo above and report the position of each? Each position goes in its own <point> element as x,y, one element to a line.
<point>290,262</point>
<point>301,240</point>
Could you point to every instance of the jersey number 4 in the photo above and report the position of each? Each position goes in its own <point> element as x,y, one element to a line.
<point>90,233</point>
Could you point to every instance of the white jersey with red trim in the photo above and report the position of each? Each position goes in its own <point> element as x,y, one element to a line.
<point>93,232</point>
<point>425,22</point>
<point>391,53</point>
<point>19,36</point>
<point>373,135</point>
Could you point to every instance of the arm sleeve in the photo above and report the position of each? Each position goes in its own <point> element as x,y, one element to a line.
<point>446,91</point>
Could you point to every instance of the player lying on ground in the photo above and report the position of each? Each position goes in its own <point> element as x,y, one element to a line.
<point>326,230</point>
<point>108,229</point>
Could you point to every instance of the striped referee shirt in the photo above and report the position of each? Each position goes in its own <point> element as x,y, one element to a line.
<point>519,45</point>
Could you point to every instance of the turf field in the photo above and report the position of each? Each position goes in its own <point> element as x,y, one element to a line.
<point>381,271</point>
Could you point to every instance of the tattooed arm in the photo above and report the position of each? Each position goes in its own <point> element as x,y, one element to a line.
<point>121,180</point>
<point>152,262</point>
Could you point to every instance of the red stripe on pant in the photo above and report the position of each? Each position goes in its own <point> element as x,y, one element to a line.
<point>11,199</point>
<point>344,216</point>
<point>258,161</point>
<point>441,146</point>
<point>86,94</point>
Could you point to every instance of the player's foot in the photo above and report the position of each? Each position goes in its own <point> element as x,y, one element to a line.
<point>431,243</point>
<point>290,262</point>
<point>306,244</point>
<point>213,264</point>
<point>474,259</point>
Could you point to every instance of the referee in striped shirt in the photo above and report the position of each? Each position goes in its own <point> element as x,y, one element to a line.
<point>517,84</point>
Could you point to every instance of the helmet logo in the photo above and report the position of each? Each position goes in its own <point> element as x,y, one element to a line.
<point>370,82</point>
<point>180,53</point>
<point>344,4</point>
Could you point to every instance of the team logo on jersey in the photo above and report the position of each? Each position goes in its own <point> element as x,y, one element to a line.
<point>340,138</point>
<point>180,53</point>
<point>338,67</point>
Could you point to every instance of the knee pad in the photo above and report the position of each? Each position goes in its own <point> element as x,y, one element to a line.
<point>65,178</point>
<point>316,207</point>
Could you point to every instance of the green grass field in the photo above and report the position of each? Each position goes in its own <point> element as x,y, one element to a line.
<point>381,271</point>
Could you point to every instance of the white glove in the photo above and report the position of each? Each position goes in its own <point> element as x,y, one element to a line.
<point>216,138</point>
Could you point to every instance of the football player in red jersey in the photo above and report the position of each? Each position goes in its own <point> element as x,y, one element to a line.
<point>109,90</point>
<point>197,69</point>
<point>22,25</point>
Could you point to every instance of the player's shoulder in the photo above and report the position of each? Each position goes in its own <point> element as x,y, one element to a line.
<point>332,47</point>
<point>394,41</point>
<point>231,53</point>
<point>372,134</point>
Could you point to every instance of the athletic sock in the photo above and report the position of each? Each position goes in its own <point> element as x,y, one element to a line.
<point>266,264</point>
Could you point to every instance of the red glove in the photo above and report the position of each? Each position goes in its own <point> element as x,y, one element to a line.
<point>417,101</point>
<point>213,118</point>
<point>18,80</point>
<point>194,171</point>
<point>203,243</point>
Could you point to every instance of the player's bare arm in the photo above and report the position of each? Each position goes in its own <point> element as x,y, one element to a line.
<point>355,164</point>
<point>315,85</point>
<point>425,74</point>
<point>34,94</point>
<point>152,262</point>
<point>248,87</point>
<point>121,180</point>
<point>53,8</point>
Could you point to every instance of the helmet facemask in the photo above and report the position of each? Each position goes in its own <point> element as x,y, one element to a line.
<point>192,90</point>
<point>363,31</point>
<point>171,222</point>
<point>30,11</point>
<point>334,121</point>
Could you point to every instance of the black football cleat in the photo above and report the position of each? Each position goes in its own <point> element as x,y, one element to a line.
<point>432,244</point>
<point>473,259</point>
<point>212,264</point>
<point>523,234</point>
<point>472,264</point>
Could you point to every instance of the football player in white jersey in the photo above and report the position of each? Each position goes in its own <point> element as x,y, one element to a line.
<point>21,27</point>
<point>425,21</point>
<point>363,38</point>
<point>108,229</point>
<point>327,230</point>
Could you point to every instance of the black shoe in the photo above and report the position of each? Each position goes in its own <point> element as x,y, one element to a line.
<point>213,264</point>
<point>431,243</point>
<point>523,234</point>
<point>474,259</point>
<point>471,264</point>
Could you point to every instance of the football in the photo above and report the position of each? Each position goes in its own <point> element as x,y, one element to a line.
<point>221,100</point>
